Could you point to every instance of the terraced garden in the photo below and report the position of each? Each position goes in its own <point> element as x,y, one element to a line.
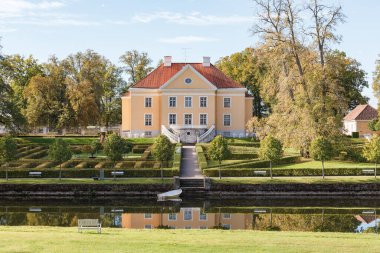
<point>32,154</point>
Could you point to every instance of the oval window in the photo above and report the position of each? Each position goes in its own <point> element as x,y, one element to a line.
<point>188,80</point>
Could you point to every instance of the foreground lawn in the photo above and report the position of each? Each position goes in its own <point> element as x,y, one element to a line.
<point>53,239</point>
<point>297,180</point>
<point>328,164</point>
<point>87,181</point>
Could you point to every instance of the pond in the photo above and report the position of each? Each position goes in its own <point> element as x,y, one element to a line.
<point>353,215</point>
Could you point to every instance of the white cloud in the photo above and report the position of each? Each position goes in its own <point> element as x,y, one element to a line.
<point>18,7</point>
<point>193,18</point>
<point>186,39</point>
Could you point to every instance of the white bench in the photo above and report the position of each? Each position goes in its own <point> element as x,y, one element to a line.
<point>35,173</point>
<point>117,173</point>
<point>87,224</point>
<point>368,171</point>
<point>260,172</point>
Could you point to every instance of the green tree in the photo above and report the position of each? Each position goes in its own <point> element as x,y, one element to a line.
<point>95,147</point>
<point>321,149</point>
<point>270,149</point>
<point>115,147</point>
<point>8,152</point>
<point>219,151</point>
<point>245,68</point>
<point>162,151</point>
<point>137,65</point>
<point>376,82</point>
<point>60,152</point>
<point>371,151</point>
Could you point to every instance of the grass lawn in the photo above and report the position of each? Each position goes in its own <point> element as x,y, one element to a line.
<point>102,155</point>
<point>54,239</point>
<point>87,181</point>
<point>295,180</point>
<point>328,164</point>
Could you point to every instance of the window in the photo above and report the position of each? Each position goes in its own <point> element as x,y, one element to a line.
<point>148,226</point>
<point>148,102</point>
<point>202,216</point>
<point>147,216</point>
<point>202,227</point>
<point>172,101</point>
<point>188,81</point>
<point>148,133</point>
<point>226,226</point>
<point>202,101</point>
<point>188,215</point>
<point>148,119</point>
<point>172,119</point>
<point>188,102</point>
<point>172,216</point>
<point>226,216</point>
<point>188,119</point>
<point>227,120</point>
<point>227,102</point>
<point>202,119</point>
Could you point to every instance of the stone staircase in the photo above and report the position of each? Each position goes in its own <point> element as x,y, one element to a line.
<point>192,183</point>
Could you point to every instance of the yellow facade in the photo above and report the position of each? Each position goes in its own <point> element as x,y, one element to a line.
<point>134,110</point>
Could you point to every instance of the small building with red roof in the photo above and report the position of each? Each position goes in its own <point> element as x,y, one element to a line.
<point>188,102</point>
<point>357,120</point>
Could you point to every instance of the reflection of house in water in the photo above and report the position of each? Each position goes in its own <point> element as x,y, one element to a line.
<point>187,218</point>
<point>367,221</point>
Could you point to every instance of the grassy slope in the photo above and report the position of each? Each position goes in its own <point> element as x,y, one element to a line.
<point>290,180</point>
<point>328,164</point>
<point>87,181</point>
<point>51,239</point>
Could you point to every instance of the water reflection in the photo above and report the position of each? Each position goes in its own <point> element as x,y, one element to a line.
<point>139,214</point>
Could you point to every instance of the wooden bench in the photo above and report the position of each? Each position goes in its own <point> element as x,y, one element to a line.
<point>35,173</point>
<point>260,172</point>
<point>117,173</point>
<point>368,171</point>
<point>88,224</point>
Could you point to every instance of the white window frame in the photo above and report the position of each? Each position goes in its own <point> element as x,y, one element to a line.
<point>200,213</point>
<point>200,105</point>
<point>151,119</point>
<point>148,218</point>
<point>206,119</point>
<point>184,119</point>
<point>151,102</point>
<point>191,100</point>
<point>230,120</point>
<point>226,218</point>
<point>224,98</point>
<point>188,210</point>
<point>175,118</point>
<point>175,215</point>
<point>175,101</point>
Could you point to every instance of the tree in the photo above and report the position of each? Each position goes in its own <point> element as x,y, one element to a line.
<point>219,151</point>
<point>60,152</point>
<point>115,147</point>
<point>270,149</point>
<point>376,82</point>
<point>162,151</point>
<point>371,151</point>
<point>137,65</point>
<point>245,68</point>
<point>8,152</point>
<point>95,147</point>
<point>321,149</point>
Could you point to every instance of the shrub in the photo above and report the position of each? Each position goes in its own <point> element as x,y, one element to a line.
<point>355,134</point>
<point>37,155</point>
<point>202,161</point>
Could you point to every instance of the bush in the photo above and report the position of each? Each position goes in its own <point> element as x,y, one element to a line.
<point>37,155</point>
<point>177,156</point>
<point>355,134</point>
<point>202,160</point>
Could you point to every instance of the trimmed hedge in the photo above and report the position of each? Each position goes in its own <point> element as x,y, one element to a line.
<point>202,160</point>
<point>177,156</point>
<point>263,164</point>
<point>37,155</point>
<point>88,173</point>
<point>249,172</point>
<point>242,156</point>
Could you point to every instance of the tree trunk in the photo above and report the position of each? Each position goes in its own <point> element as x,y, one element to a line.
<point>60,171</point>
<point>114,171</point>
<point>323,169</point>
<point>375,169</point>
<point>220,172</point>
<point>6,171</point>
<point>270,169</point>
<point>162,172</point>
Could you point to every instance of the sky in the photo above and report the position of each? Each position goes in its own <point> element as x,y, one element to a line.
<point>185,29</point>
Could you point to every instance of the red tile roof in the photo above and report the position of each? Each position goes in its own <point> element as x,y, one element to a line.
<point>362,112</point>
<point>162,74</point>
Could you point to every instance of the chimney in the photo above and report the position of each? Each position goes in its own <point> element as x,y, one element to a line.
<point>206,61</point>
<point>167,61</point>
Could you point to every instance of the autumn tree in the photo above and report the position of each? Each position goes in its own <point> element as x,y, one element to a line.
<point>137,65</point>
<point>371,151</point>
<point>321,149</point>
<point>376,82</point>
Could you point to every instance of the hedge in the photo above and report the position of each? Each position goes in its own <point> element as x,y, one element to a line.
<point>263,164</point>
<point>88,173</point>
<point>202,160</point>
<point>177,156</point>
<point>37,155</point>
<point>242,156</point>
<point>249,172</point>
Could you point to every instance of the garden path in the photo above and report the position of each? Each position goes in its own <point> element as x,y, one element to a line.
<point>189,162</point>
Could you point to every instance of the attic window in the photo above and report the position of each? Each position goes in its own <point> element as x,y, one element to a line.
<point>188,81</point>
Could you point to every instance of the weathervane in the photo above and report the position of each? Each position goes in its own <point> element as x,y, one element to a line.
<point>185,52</point>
